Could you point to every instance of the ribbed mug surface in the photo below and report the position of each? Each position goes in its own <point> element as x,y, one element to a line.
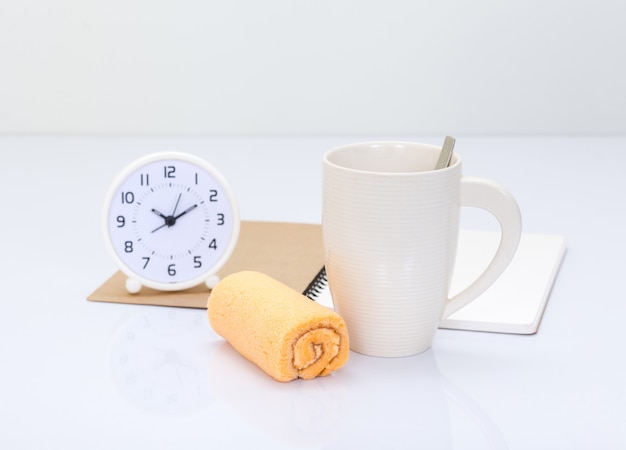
<point>390,229</point>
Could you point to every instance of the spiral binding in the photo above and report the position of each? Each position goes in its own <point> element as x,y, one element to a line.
<point>317,285</point>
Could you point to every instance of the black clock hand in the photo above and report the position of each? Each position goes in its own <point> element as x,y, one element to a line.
<point>171,220</point>
<point>163,216</point>
<point>158,213</point>
<point>186,211</point>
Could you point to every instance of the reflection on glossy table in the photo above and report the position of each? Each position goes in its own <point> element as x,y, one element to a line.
<point>83,375</point>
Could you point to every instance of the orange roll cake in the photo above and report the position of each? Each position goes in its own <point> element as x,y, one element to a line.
<point>280,330</point>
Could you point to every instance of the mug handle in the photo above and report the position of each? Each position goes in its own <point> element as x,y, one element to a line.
<point>492,197</point>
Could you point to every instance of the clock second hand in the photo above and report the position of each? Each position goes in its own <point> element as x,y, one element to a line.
<point>158,228</point>
<point>176,205</point>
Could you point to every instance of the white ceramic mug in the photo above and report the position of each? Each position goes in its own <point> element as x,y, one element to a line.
<point>390,228</point>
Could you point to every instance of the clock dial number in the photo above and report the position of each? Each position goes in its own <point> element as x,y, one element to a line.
<point>220,219</point>
<point>197,262</point>
<point>169,171</point>
<point>121,221</point>
<point>128,197</point>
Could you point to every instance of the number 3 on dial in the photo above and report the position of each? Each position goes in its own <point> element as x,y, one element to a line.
<point>170,222</point>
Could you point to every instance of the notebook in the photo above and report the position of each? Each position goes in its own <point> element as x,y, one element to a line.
<point>293,253</point>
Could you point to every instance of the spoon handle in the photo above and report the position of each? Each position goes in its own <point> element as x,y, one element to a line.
<point>446,153</point>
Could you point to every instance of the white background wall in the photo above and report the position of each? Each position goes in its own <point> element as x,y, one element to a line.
<point>252,67</point>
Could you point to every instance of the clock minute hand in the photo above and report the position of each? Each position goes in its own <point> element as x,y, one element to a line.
<point>194,206</point>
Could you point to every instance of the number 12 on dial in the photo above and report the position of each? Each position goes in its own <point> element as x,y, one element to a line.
<point>170,222</point>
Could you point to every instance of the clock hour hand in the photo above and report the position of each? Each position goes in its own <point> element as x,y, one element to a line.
<point>169,220</point>
<point>158,213</point>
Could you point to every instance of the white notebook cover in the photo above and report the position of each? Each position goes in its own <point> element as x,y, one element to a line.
<point>516,301</point>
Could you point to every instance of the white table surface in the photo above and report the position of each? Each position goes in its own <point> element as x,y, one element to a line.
<point>83,375</point>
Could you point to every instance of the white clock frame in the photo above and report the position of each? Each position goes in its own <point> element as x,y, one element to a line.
<point>209,274</point>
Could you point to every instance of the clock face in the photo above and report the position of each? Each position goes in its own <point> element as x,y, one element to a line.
<point>171,221</point>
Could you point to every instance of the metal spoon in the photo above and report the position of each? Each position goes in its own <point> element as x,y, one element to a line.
<point>446,153</point>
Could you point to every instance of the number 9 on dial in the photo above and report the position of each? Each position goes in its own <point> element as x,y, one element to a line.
<point>170,222</point>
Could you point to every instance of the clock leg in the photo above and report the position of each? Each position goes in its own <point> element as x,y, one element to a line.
<point>132,286</point>
<point>212,281</point>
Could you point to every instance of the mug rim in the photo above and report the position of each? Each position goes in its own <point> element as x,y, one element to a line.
<point>454,163</point>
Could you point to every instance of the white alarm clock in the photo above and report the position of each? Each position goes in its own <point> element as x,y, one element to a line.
<point>171,222</point>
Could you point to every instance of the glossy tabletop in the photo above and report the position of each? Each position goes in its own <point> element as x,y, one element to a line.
<point>82,375</point>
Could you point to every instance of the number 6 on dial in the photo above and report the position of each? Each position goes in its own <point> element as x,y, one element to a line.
<point>170,222</point>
